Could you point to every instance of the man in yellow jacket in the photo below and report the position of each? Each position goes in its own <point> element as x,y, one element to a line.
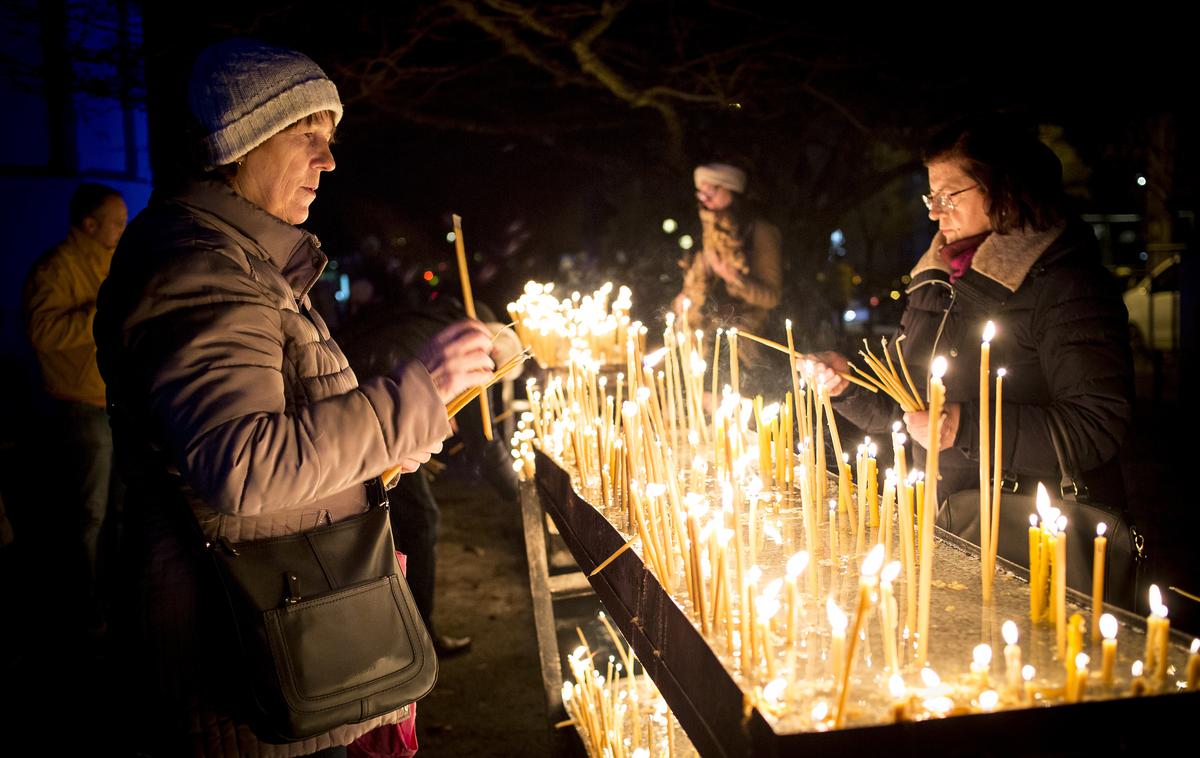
<point>60,304</point>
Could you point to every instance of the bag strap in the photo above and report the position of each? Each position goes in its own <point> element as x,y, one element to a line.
<point>1071,485</point>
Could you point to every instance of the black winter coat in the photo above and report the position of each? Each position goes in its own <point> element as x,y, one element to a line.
<point>1062,336</point>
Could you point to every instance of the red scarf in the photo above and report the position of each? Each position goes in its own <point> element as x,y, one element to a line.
<point>958,255</point>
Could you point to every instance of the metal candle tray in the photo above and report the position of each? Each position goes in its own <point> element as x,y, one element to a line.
<point>709,703</point>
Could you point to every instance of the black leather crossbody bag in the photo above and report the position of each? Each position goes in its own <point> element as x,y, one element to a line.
<point>324,627</point>
<point>1125,551</point>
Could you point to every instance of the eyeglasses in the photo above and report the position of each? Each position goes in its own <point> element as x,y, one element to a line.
<point>942,201</point>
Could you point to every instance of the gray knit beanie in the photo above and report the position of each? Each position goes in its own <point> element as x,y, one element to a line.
<point>243,92</point>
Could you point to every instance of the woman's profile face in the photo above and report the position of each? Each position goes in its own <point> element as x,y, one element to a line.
<point>282,174</point>
<point>713,197</point>
<point>968,215</point>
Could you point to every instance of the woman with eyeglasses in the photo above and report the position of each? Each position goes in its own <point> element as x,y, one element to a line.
<point>1008,250</point>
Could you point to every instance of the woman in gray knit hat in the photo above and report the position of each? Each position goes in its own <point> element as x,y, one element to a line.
<point>226,391</point>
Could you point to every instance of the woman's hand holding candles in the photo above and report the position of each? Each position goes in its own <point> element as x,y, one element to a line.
<point>918,425</point>
<point>828,369</point>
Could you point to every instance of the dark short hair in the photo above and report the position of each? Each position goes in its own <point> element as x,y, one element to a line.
<point>87,199</point>
<point>1020,175</point>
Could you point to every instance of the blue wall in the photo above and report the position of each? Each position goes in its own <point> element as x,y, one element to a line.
<point>75,112</point>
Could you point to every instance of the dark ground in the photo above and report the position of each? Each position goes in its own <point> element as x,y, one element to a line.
<point>489,701</point>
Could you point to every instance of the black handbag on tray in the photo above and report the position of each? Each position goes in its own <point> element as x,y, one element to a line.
<point>324,627</point>
<point>1125,550</point>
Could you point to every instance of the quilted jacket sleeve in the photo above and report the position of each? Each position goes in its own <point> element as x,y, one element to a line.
<point>206,337</point>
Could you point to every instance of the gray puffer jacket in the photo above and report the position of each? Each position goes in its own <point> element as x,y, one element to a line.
<point>227,394</point>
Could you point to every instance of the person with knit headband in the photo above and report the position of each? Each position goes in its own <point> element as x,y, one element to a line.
<point>226,391</point>
<point>736,277</point>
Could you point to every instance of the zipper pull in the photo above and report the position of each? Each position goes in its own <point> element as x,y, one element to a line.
<point>293,588</point>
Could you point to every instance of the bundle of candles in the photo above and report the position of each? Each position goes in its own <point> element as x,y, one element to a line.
<point>553,327</point>
<point>619,714</point>
<point>817,591</point>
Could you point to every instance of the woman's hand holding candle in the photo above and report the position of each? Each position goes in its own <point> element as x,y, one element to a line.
<point>829,369</point>
<point>918,425</point>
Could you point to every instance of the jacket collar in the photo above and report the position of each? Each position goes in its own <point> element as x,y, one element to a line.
<point>292,250</point>
<point>79,240</point>
<point>1004,259</point>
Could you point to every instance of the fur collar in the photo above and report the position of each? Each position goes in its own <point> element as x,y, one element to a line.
<point>1002,258</point>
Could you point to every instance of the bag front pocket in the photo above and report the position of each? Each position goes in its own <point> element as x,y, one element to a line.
<point>329,647</point>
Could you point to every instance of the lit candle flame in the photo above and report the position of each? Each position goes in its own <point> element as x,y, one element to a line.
<point>653,359</point>
<point>773,587</point>
<point>774,691</point>
<point>938,370</point>
<point>820,711</point>
<point>1001,372</point>
<point>1061,524</point>
<point>837,618</point>
<point>1101,528</point>
<point>766,608</point>
<point>1033,520</point>
<point>896,427</point>
<point>939,706</point>
<point>1137,668</point>
<point>797,563</point>
<point>1043,504</point>
<point>1108,626</point>
<point>989,332</point>
<point>753,575</point>
<point>988,699</point>
<point>1028,672</point>
<point>1195,648</point>
<point>1009,630</point>
<point>982,654</point>
<point>1082,660</point>
<point>890,572</point>
<point>873,562</point>
<point>896,686</point>
<point>930,678</point>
